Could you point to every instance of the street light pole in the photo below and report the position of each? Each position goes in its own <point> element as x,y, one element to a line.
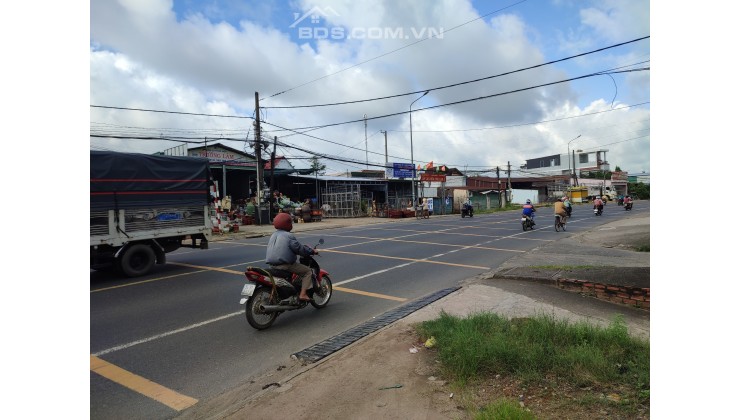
<point>570,172</point>
<point>367,162</point>
<point>413,170</point>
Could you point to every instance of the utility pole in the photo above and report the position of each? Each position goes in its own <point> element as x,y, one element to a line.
<point>499,186</point>
<point>575,178</point>
<point>367,162</point>
<point>272,176</point>
<point>508,183</point>
<point>258,155</point>
<point>385,133</point>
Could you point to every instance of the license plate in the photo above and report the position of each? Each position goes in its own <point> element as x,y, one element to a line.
<point>248,289</point>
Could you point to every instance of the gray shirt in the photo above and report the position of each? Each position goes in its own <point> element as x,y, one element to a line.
<point>284,248</point>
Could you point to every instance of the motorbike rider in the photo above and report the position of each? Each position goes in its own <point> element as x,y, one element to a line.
<point>283,250</point>
<point>628,201</point>
<point>467,207</point>
<point>560,209</point>
<point>568,206</point>
<point>598,204</point>
<point>528,210</point>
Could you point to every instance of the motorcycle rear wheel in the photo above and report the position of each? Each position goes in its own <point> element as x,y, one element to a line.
<point>320,301</point>
<point>256,317</point>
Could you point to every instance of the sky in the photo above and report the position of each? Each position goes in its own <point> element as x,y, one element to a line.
<point>201,63</point>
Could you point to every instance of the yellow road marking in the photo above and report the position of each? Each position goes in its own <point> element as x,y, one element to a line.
<point>377,295</point>
<point>166,396</point>
<point>407,259</point>
<point>203,267</point>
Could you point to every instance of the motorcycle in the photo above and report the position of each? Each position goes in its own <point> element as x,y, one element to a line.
<point>270,292</point>
<point>569,210</point>
<point>467,210</point>
<point>628,206</point>
<point>527,222</point>
<point>598,211</point>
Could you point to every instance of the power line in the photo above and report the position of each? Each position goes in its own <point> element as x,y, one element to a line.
<point>460,83</point>
<point>196,140</point>
<point>170,112</point>
<point>471,99</point>
<point>524,124</point>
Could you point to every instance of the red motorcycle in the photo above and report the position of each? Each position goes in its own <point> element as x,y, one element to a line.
<point>270,292</point>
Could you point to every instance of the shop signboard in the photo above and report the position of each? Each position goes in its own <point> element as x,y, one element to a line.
<point>403,170</point>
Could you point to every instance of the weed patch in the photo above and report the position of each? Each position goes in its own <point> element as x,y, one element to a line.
<point>545,353</point>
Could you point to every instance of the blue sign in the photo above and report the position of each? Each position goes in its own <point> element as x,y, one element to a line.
<point>162,217</point>
<point>403,170</point>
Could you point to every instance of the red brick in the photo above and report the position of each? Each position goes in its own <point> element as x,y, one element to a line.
<point>630,302</point>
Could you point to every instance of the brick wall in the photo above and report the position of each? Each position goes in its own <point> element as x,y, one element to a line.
<point>633,296</point>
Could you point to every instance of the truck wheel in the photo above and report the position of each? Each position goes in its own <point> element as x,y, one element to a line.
<point>137,260</point>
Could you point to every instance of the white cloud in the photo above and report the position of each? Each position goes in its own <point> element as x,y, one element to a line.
<point>144,57</point>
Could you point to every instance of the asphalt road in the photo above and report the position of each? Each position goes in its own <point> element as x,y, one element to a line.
<point>162,342</point>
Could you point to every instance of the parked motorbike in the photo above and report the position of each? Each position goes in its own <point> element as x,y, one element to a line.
<point>270,292</point>
<point>628,206</point>
<point>467,210</point>
<point>527,223</point>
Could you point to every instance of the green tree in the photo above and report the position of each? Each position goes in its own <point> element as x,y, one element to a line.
<point>317,166</point>
<point>639,189</point>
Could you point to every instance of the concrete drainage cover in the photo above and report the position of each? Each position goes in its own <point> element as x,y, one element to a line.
<point>333,344</point>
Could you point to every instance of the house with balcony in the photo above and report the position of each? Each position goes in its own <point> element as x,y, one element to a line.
<point>560,164</point>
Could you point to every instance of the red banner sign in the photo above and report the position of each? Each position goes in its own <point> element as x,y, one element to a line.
<point>433,178</point>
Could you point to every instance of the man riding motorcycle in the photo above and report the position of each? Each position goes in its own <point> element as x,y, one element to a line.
<point>628,202</point>
<point>568,206</point>
<point>528,210</point>
<point>598,204</point>
<point>283,250</point>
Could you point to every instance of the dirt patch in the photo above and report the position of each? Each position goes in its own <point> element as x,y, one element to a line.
<point>388,381</point>
<point>558,402</point>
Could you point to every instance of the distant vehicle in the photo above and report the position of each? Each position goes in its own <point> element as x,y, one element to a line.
<point>144,206</point>
<point>600,191</point>
<point>467,210</point>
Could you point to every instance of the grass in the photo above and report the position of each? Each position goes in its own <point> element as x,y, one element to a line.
<point>546,353</point>
<point>504,409</point>
<point>643,248</point>
<point>496,209</point>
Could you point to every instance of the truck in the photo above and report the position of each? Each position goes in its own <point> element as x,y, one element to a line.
<point>145,206</point>
<point>602,191</point>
